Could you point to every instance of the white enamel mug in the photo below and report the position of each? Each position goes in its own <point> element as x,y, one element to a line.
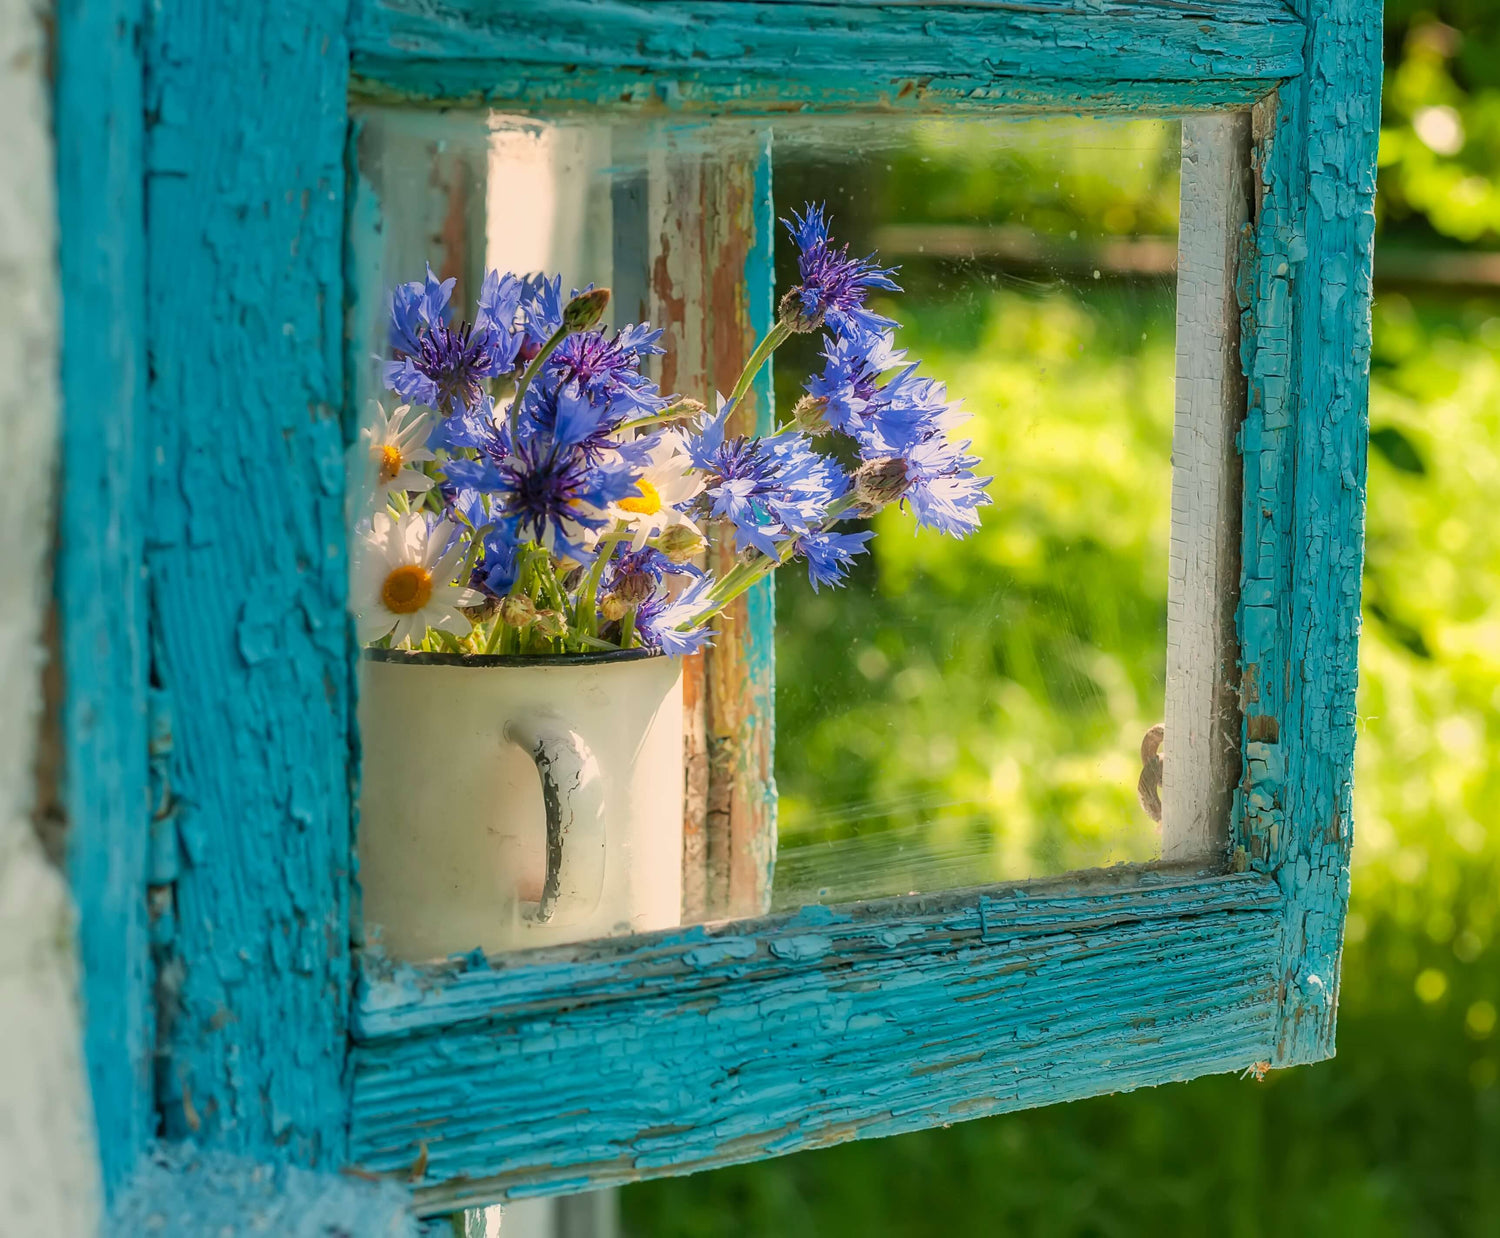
<point>513,802</point>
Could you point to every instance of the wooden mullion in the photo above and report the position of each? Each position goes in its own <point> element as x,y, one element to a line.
<point>708,288</point>
<point>1202,762</point>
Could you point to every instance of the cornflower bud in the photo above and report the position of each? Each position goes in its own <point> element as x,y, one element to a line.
<point>549,624</point>
<point>810,414</point>
<point>679,543</point>
<point>584,310</point>
<point>517,610</point>
<point>478,614</point>
<point>790,312</point>
<point>687,409</point>
<point>633,588</point>
<point>613,607</point>
<point>879,482</point>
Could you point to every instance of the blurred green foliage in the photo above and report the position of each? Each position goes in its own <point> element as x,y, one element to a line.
<point>1065,175</point>
<point>982,702</point>
<point>1400,1134</point>
<point>1440,141</point>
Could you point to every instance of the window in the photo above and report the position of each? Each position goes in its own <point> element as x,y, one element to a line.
<point>781,1014</point>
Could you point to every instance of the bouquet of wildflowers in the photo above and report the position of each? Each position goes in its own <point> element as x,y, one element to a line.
<point>535,492</point>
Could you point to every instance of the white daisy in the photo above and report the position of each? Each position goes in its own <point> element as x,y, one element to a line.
<point>395,443</point>
<point>667,485</point>
<point>403,579</point>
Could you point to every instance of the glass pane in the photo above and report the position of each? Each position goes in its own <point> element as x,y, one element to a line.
<point>972,711</point>
<point>964,710</point>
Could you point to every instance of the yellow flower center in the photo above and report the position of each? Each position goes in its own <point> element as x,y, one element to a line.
<point>389,461</point>
<point>648,504</point>
<point>407,589</point>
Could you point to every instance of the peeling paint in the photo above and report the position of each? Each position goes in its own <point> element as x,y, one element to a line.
<point>677,1051</point>
<point>100,582</point>
<point>786,57</point>
<point>1306,351</point>
<point>184,1193</point>
<point>244,198</point>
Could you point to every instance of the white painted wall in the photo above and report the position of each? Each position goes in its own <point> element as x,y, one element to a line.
<point>48,1167</point>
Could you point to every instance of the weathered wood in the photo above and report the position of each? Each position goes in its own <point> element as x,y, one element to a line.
<point>100,583</point>
<point>245,190</point>
<point>1307,351</point>
<point>748,1040</point>
<point>1202,759</point>
<point>678,1051</point>
<point>186,1193</point>
<point>49,1172</point>
<point>793,57</point>
<point>710,223</point>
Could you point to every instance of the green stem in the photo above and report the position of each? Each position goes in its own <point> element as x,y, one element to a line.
<point>671,413</point>
<point>550,347</point>
<point>743,576</point>
<point>586,617</point>
<point>775,337</point>
<point>496,637</point>
<point>627,629</point>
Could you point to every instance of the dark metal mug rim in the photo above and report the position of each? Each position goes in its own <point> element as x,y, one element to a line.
<point>417,657</point>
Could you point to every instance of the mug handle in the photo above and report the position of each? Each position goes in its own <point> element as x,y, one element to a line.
<point>573,800</point>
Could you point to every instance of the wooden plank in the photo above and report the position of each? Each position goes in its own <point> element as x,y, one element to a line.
<point>685,1050</point>
<point>1305,445</point>
<point>248,569</point>
<point>795,57</point>
<point>1201,757</point>
<point>49,1171</point>
<point>1328,174</point>
<point>100,580</point>
<point>710,224</point>
<point>547,91</point>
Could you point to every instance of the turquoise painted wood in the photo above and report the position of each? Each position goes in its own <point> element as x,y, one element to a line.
<point>100,581</point>
<point>247,567</point>
<point>681,1051</point>
<point>1307,352</point>
<point>183,1192</point>
<point>687,1049</point>
<point>780,57</point>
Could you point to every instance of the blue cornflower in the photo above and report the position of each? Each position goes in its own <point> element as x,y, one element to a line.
<point>498,303</point>
<point>499,558</point>
<point>647,561</point>
<point>834,285</point>
<point>415,307</point>
<point>551,486</point>
<point>885,415</point>
<point>660,619</point>
<point>568,413</point>
<point>494,570</point>
<point>541,312</point>
<point>769,488</point>
<point>941,487</point>
<point>829,555</point>
<point>609,370</point>
<point>443,366</point>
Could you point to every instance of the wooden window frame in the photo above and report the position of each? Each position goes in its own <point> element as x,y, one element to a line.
<point>208,720</point>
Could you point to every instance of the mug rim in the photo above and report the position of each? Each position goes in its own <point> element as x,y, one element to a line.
<point>422,657</point>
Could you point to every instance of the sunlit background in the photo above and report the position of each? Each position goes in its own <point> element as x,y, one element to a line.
<point>965,712</point>
<point>1401,1133</point>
